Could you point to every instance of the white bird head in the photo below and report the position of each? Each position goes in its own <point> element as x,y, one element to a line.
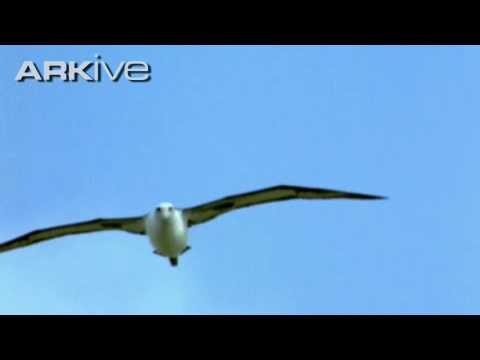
<point>164,210</point>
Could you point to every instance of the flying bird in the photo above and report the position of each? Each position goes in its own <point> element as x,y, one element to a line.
<point>167,226</point>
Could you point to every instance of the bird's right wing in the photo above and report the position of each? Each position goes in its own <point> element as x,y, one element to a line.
<point>130,224</point>
<point>208,211</point>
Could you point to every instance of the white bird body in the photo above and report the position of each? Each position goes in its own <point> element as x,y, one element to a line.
<point>167,230</point>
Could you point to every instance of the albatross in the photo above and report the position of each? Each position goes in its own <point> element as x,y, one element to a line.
<point>167,226</point>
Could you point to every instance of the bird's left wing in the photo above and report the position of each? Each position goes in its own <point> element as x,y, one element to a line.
<point>205,212</point>
<point>130,224</point>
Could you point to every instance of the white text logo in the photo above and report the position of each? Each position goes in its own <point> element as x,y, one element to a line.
<point>91,71</point>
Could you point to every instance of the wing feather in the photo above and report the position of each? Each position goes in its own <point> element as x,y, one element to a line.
<point>130,224</point>
<point>208,211</point>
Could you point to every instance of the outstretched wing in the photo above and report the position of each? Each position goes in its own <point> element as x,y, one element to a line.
<point>208,211</point>
<point>131,224</point>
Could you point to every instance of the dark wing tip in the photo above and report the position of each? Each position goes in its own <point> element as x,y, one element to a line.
<point>343,194</point>
<point>366,197</point>
<point>17,242</point>
<point>335,193</point>
<point>378,197</point>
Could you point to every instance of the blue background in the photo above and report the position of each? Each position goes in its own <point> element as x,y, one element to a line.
<point>400,121</point>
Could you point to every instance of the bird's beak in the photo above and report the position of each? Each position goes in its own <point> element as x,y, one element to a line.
<point>162,214</point>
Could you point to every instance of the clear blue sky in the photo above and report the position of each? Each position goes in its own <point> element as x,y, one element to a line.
<point>400,121</point>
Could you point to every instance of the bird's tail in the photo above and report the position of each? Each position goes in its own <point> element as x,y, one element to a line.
<point>173,261</point>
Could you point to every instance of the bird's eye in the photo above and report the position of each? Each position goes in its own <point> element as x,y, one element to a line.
<point>170,208</point>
